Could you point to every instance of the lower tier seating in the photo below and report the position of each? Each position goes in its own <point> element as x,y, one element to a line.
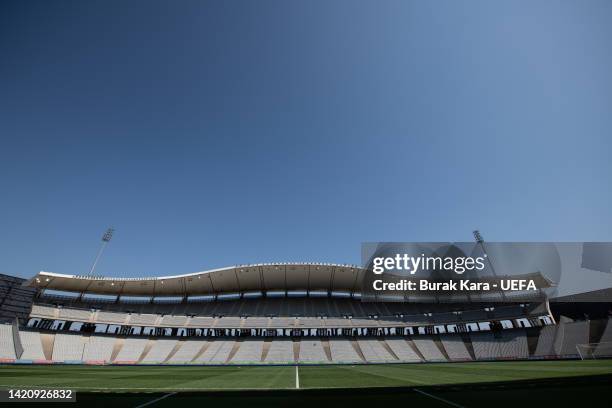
<point>73,347</point>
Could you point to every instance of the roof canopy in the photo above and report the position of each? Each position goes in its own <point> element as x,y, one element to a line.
<point>259,277</point>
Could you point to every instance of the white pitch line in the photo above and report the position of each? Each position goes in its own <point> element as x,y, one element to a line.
<point>4,387</point>
<point>297,378</point>
<point>439,398</point>
<point>155,400</point>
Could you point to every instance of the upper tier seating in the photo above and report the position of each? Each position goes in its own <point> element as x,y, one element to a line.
<point>170,320</point>
<point>44,311</point>
<point>143,319</point>
<point>15,300</point>
<point>80,315</point>
<point>111,317</point>
<point>265,312</point>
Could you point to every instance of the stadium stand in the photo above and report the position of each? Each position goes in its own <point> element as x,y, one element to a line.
<point>98,348</point>
<point>485,346</point>
<point>311,351</point>
<point>201,321</point>
<point>310,322</point>
<point>32,346</point>
<point>254,322</point>
<point>544,348</point>
<point>15,299</point>
<point>455,347</point>
<point>131,350</point>
<point>44,311</point>
<point>217,352</point>
<point>250,351</point>
<point>275,327</point>
<point>374,351</point>
<point>513,344</point>
<point>246,313</point>
<point>602,349</point>
<point>403,350</point>
<point>280,351</point>
<point>428,348</point>
<point>110,317</point>
<point>568,335</point>
<point>188,351</point>
<point>342,351</point>
<point>144,319</point>
<point>7,347</point>
<point>68,347</point>
<point>79,315</point>
<point>159,351</point>
<point>170,320</point>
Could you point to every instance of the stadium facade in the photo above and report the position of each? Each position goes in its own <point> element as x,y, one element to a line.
<point>286,313</point>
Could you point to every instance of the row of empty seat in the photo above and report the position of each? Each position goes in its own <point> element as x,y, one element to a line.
<point>455,347</point>
<point>503,345</point>
<point>7,346</point>
<point>261,313</point>
<point>376,351</point>
<point>553,341</point>
<point>15,299</point>
<point>428,348</point>
<point>343,350</point>
<point>569,334</point>
<point>69,347</point>
<point>287,306</point>
<point>604,348</point>
<point>561,340</point>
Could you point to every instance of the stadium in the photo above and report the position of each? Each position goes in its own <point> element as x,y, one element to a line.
<point>294,183</point>
<point>273,329</point>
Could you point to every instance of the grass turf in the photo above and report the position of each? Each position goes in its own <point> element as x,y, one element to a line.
<point>203,378</point>
<point>561,392</point>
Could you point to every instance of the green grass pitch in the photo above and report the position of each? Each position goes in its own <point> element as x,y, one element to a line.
<point>211,378</point>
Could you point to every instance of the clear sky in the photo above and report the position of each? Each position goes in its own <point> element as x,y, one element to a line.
<point>212,133</point>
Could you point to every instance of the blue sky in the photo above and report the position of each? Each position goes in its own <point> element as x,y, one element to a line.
<point>213,133</point>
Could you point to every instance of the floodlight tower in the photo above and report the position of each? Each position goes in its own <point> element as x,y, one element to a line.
<point>105,240</point>
<point>480,241</point>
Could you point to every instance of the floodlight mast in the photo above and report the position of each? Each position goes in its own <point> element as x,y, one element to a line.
<point>480,241</point>
<point>105,240</point>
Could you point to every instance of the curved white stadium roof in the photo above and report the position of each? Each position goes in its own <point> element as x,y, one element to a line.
<point>245,278</point>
